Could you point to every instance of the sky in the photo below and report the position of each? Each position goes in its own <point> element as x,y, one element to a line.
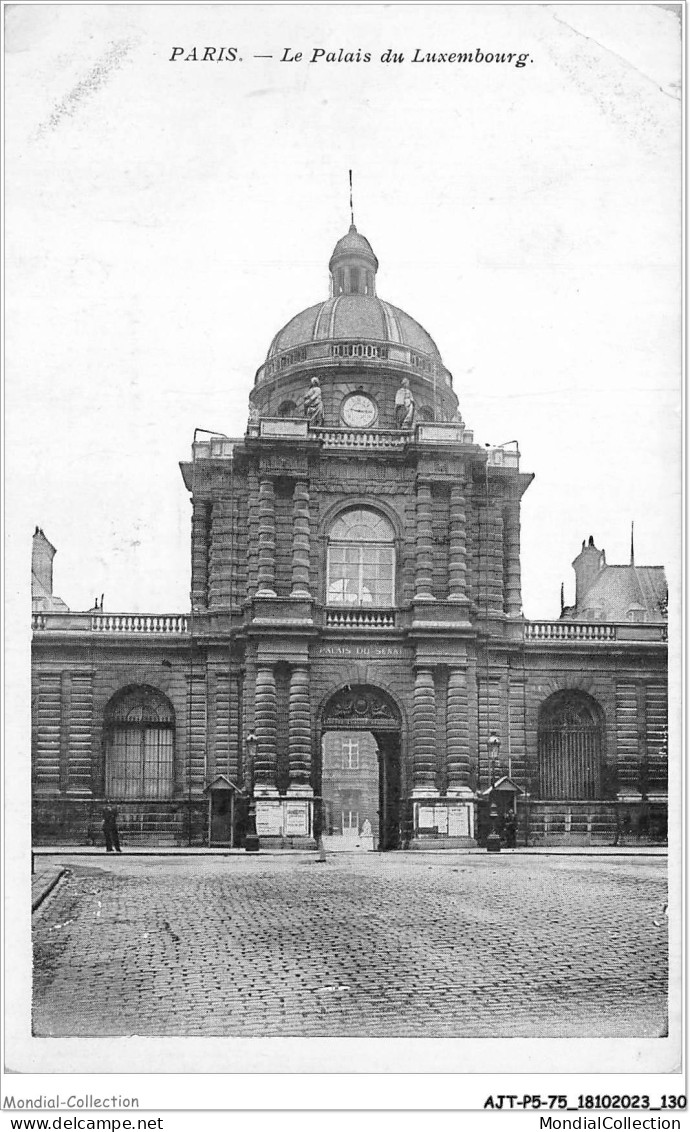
<point>166,218</point>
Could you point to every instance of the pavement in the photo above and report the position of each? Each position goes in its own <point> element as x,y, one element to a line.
<point>412,944</point>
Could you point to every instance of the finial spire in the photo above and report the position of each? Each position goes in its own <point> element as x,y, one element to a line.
<point>632,543</point>
<point>562,596</point>
<point>352,213</point>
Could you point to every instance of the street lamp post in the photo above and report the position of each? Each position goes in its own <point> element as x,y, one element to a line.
<point>494,748</point>
<point>251,837</point>
<point>493,841</point>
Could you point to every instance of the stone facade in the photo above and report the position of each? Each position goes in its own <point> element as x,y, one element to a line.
<point>361,575</point>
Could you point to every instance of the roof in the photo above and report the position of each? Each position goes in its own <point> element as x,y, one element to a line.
<point>354,316</point>
<point>503,785</point>
<point>616,590</point>
<point>354,244</point>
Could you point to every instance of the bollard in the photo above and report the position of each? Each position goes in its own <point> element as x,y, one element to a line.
<point>493,841</point>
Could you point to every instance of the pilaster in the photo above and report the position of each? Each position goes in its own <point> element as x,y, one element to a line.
<point>211,722</point>
<point>457,564</point>
<point>266,729</point>
<point>424,732</point>
<point>490,558</point>
<point>267,539</point>
<point>220,555</point>
<point>65,699</point>
<point>458,733</point>
<point>424,543</point>
<point>80,728</point>
<point>627,740</point>
<point>201,515</point>
<point>301,541</point>
<point>512,596</point>
<point>299,737</point>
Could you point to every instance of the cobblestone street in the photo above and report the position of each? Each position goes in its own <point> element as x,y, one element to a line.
<point>406,945</point>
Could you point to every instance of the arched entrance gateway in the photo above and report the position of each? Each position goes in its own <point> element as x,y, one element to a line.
<point>359,770</point>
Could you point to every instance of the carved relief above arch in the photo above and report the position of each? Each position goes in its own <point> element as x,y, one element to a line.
<point>361,707</point>
<point>577,683</point>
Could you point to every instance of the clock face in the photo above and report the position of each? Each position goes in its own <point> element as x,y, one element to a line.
<point>358,411</point>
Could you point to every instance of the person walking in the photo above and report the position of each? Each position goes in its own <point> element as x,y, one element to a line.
<point>510,829</point>
<point>643,818</point>
<point>110,830</point>
<point>623,822</point>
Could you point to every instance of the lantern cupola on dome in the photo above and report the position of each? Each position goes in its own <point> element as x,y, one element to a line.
<point>353,266</point>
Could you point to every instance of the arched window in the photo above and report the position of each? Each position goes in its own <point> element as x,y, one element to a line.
<point>361,560</point>
<point>570,747</point>
<point>426,413</point>
<point>139,736</point>
<point>287,409</point>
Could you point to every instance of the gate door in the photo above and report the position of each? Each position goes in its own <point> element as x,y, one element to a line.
<point>221,811</point>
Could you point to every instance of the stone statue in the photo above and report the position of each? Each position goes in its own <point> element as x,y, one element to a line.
<point>254,415</point>
<point>404,406</point>
<point>313,404</point>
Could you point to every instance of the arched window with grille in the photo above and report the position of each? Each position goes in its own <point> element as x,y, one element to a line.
<point>139,727</point>
<point>570,744</point>
<point>361,560</point>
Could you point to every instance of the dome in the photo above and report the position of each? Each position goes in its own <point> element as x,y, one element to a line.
<point>351,334</point>
<point>354,316</point>
<point>353,311</point>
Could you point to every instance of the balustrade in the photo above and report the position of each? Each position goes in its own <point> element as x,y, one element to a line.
<point>377,439</point>
<point>138,623</point>
<point>322,352</point>
<point>360,619</point>
<point>568,631</point>
<point>168,623</point>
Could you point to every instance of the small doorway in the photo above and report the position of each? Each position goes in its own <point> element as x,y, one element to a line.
<point>221,812</point>
<point>350,823</point>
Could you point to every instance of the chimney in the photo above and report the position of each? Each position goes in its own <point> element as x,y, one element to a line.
<point>42,555</point>
<point>587,566</point>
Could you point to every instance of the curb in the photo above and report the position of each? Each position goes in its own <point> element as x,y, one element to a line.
<point>47,890</point>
